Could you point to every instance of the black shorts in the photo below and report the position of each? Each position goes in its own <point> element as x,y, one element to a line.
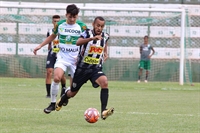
<point>51,59</point>
<point>81,76</point>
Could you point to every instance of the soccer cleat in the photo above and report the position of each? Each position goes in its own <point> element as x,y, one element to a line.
<point>138,81</point>
<point>145,81</point>
<point>50,108</point>
<point>61,101</point>
<point>58,105</point>
<point>65,102</point>
<point>107,113</point>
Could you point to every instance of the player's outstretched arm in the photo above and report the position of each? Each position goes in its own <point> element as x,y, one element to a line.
<point>46,41</point>
<point>106,52</point>
<point>82,40</point>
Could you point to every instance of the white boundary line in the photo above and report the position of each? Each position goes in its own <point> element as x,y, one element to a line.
<point>129,113</point>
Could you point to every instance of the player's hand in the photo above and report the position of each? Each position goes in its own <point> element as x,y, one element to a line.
<point>36,49</point>
<point>97,37</point>
<point>76,60</point>
<point>105,57</point>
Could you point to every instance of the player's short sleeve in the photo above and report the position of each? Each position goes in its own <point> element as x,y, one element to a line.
<point>48,33</point>
<point>82,25</point>
<point>56,25</point>
<point>107,36</point>
<point>84,34</point>
<point>149,46</point>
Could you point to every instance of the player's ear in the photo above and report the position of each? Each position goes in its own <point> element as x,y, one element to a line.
<point>93,23</point>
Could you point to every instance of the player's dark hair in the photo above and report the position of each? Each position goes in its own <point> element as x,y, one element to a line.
<point>72,9</point>
<point>146,36</point>
<point>55,16</point>
<point>100,18</point>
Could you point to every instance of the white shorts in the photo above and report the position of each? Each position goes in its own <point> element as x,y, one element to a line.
<point>65,66</point>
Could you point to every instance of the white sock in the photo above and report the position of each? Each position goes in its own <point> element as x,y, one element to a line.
<point>68,88</point>
<point>54,91</point>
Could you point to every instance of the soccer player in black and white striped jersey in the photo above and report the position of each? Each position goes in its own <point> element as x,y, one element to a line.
<point>92,54</point>
<point>51,58</point>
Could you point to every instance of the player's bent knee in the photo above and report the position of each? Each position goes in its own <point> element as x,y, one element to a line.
<point>49,72</point>
<point>104,84</point>
<point>57,79</point>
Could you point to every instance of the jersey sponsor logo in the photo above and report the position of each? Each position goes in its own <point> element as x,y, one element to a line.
<point>90,60</point>
<point>61,29</point>
<point>145,49</point>
<point>97,50</point>
<point>68,49</point>
<point>55,50</point>
<point>72,31</point>
<point>55,42</point>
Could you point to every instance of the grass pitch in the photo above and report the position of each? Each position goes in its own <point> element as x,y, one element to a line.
<point>139,108</point>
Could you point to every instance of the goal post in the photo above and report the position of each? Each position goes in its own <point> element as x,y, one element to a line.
<point>126,26</point>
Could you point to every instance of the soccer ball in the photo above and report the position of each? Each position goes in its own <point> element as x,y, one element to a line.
<point>91,115</point>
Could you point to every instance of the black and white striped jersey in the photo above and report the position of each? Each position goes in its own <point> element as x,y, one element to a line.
<point>54,43</point>
<point>91,54</point>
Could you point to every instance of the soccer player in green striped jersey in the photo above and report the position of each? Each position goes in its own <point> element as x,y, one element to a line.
<point>69,31</point>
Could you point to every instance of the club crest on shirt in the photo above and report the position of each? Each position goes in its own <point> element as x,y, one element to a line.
<point>74,85</point>
<point>68,38</point>
<point>84,27</point>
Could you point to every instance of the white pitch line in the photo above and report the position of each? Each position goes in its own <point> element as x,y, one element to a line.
<point>146,113</point>
<point>133,113</point>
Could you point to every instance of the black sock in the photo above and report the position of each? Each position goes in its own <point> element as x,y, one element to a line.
<point>104,98</point>
<point>63,85</point>
<point>146,77</point>
<point>48,88</point>
<point>138,77</point>
<point>63,99</point>
<point>62,92</point>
